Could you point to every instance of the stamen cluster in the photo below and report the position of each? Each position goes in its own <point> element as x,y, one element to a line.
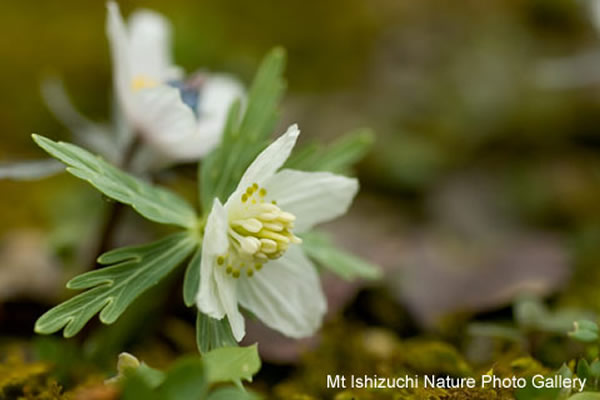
<point>258,232</point>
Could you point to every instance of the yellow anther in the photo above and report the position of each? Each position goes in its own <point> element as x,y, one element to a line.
<point>273,226</point>
<point>220,260</point>
<point>267,216</point>
<point>229,269</point>
<point>250,225</point>
<point>269,208</point>
<point>259,231</point>
<point>287,217</point>
<point>268,245</point>
<point>281,248</point>
<point>143,82</point>
<point>261,256</point>
<point>250,244</point>
<point>265,234</point>
<point>276,255</point>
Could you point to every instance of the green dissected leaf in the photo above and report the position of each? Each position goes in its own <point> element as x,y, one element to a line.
<point>584,336</point>
<point>529,312</point>
<point>112,289</point>
<point>583,369</point>
<point>532,314</point>
<point>140,382</point>
<point>244,139</point>
<point>320,247</point>
<point>213,333</point>
<point>338,157</point>
<point>157,204</point>
<point>587,325</point>
<point>565,371</point>
<point>151,376</point>
<point>185,380</point>
<point>231,364</point>
<point>129,369</point>
<point>106,341</point>
<point>595,369</point>
<point>232,393</point>
<point>496,331</point>
<point>303,156</point>
<point>584,331</point>
<point>190,377</point>
<point>135,388</point>
<point>191,280</point>
<point>530,392</point>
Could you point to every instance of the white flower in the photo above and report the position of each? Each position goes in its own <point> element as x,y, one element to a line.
<point>575,71</point>
<point>250,254</point>
<point>594,8</point>
<point>181,119</point>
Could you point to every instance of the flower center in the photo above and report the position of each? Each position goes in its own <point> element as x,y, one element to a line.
<point>142,82</point>
<point>189,92</point>
<point>258,232</point>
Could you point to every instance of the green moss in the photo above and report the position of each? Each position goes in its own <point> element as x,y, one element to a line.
<point>350,349</point>
<point>47,389</point>
<point>429,356</point>
<point>27,380</point>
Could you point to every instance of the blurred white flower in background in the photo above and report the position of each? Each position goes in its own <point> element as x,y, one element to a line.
<point>574,71</point>
<point>181,118</point>
<point>250,253</point>
<point>110,140</point>
<point>594,8</point>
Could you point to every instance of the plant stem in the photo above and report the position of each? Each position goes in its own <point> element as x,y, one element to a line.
<point>115,209</point>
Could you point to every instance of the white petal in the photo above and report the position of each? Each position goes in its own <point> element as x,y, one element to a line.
<point>150,46</point>
<point>313,197</point>
<point>595,13</point>
<point>215,243</point>
<point>168,123</point>
<point>218,92</point>
<point>30,170</point>
<point>216,97</point>
<point>227,287</point>
<point>271,159</point>
<point>118,39</point>
<point>286,295</point>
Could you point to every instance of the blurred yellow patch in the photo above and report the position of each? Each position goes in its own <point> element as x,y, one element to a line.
<point>143,82</point>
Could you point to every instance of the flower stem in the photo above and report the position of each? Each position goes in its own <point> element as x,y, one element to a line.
<point>115,209</point>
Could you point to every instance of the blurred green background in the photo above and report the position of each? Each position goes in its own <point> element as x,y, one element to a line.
<point>455,92</point>
<point>67,39</point>
<point>483,181</point>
